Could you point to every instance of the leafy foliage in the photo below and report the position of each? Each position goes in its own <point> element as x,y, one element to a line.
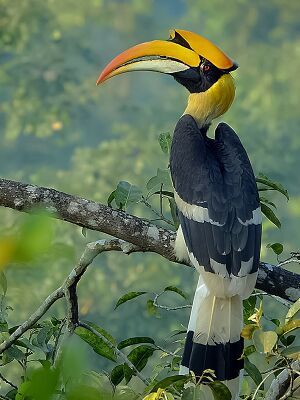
<point>57,130</point>
<point>275,345</point>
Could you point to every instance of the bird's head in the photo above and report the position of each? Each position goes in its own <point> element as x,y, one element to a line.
<point>194,61</point>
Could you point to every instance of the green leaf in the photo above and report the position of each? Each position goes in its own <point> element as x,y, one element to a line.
<point>117,374</point>
<point>43,384</point>
<point>140,355</point>
<point>193,393</point>
<point>128,373</point>
<point>98,345</point>
<point>12,394</point>
<point>276,247</point>
<point>111,198</point>
<point>293,310</point>
<point>248,330</point>
<point>165,141</point>
<point>265,200</point>
<point>128,296</point>
<point>43,336</point>
<point>264,180</point>
<point>248,351</point>
<point>121,393</point>
<point>179,332</point>
<point>287,341</point>
<point>139,358</point>
<point>270,215</point>
<point>103,332</point>
<point>126,193</point>
<point>252,371</point>
<point>264,341</point>
<point>275,321</point>
<point>3,325</point>
<point>291,352</point>
<point>176,290</point>
<point>249,308</point>
<point>220,391</point>
<point>135,340</point>
<point>170,380</point>
<point>162,178</point>
<point>14,353</point>
<point>24,342</point>
<point>3,282</point>
<point>84,231</point>
<point>290,326</point>
<point>173,209</point>
<point>152,310</point>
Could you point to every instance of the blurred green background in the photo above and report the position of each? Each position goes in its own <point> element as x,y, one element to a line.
<point>59,130</point>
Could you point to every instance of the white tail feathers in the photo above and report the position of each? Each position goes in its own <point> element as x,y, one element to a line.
<point>219,320</point>
<point>213,340</point>
<point>226,316</point>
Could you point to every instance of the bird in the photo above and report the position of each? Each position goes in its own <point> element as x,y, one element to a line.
<point>216,197</point>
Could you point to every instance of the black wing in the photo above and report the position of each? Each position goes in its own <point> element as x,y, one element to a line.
<point>217,198</point>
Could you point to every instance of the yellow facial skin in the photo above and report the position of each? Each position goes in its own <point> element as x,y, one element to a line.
<point>182,51</point>
<point>214,102</point>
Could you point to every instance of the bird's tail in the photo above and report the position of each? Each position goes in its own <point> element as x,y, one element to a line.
<point>213,339</point>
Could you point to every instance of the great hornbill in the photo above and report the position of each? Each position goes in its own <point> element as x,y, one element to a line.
<point>216,196</point>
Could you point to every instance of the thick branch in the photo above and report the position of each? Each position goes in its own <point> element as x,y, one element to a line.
<point>148,237</point>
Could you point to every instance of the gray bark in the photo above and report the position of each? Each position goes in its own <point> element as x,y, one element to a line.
<point>147,236</point>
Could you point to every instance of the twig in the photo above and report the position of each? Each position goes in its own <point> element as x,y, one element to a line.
<point>160,215</point>
<point>286,303</point>
<point>165,351</point>
<point>57,344</point>
<point>155,303</point>
<point>293,259</point>
<point>117,351</point>
<point>279,385</point>
<point>47,303</point>
<point>90,252</point>
<point>264,380</point>
<point>292,389</point>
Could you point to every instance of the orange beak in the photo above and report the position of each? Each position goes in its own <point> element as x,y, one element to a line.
<point>182,51</point>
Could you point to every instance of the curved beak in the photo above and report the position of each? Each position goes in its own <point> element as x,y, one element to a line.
<point>182,51</point>
<point>159,55</point>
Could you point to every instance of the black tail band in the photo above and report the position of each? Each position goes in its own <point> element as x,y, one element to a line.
<point>224,359</point>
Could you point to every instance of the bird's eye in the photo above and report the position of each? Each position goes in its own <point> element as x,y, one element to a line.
<point>206,67</point>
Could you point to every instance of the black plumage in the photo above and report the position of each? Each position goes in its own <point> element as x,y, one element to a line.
<point>223,358</point>
<point>216,174</point>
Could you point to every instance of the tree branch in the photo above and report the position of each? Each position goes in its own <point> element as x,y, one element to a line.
<point>33,319</point>
<point>141,233</point>
<point>279,388</point>
<point>91,251</point>
<point>69,290</point>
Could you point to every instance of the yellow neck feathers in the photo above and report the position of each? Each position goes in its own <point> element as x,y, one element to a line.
<point>208,105</point>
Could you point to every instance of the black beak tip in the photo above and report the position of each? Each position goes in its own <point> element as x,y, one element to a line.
<point>233,67</point>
